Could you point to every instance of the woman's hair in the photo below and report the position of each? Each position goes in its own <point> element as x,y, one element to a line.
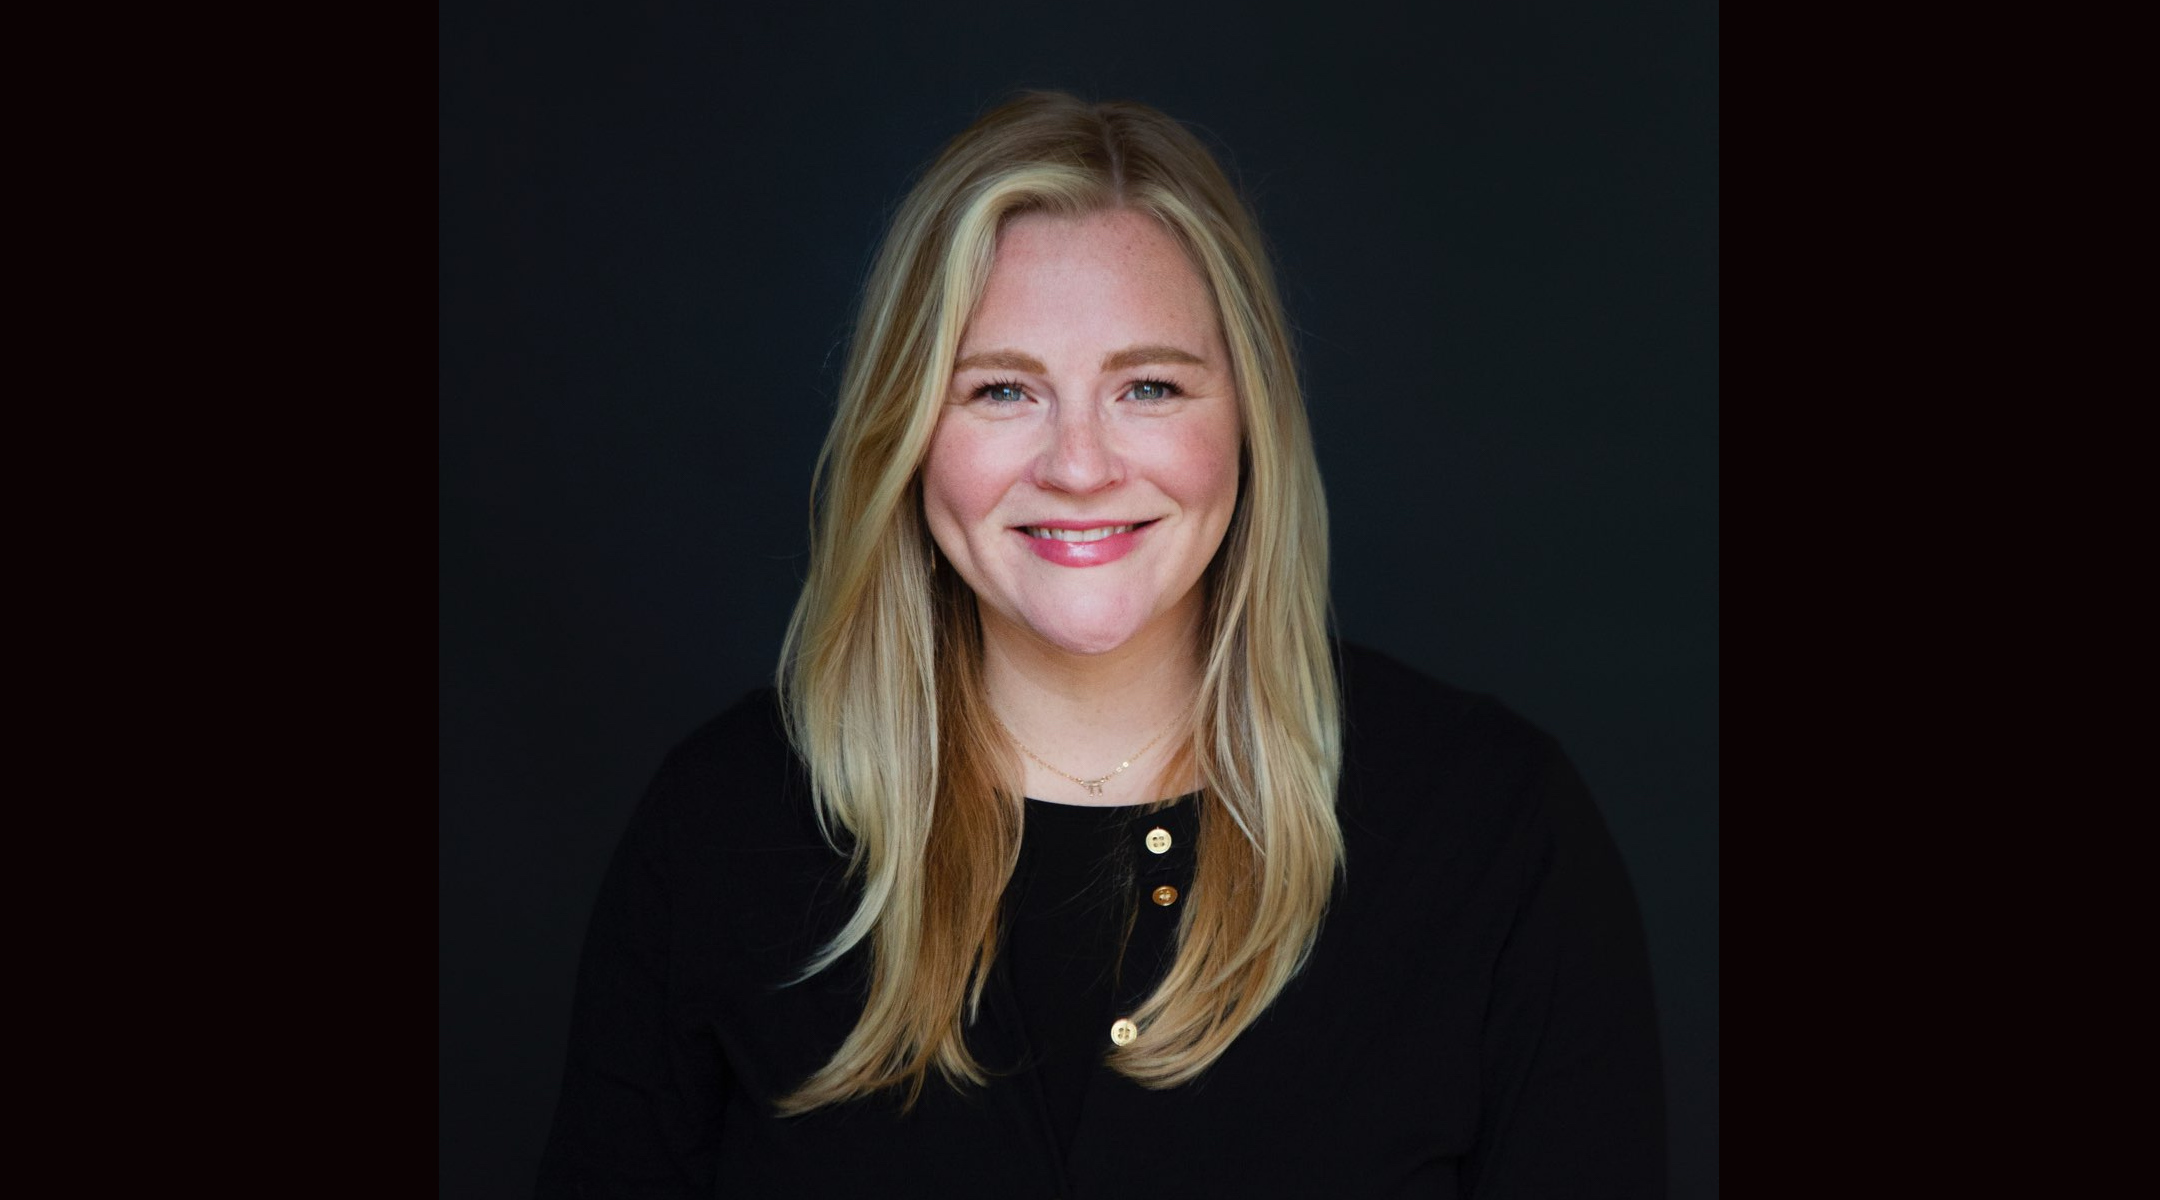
<point>881,675</point>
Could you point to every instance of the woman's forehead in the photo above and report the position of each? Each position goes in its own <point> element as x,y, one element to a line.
<point>1112,276</point>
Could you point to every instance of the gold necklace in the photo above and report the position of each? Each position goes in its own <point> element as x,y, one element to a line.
<point>1094,786</point>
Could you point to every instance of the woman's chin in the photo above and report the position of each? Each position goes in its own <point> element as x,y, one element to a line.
<point>1088,644</point>
<point>1086,632</point>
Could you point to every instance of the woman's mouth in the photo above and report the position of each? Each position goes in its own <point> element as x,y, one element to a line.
<point>1090,546</point>
<point>1077,535</point>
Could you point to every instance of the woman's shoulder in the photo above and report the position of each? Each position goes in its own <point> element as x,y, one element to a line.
<point>749,730</point>
<point>1418,751</point>
<point>734,782</point>
<point>1388,704</point>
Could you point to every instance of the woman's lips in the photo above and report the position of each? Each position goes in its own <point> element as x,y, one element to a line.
<point>1060,542</point>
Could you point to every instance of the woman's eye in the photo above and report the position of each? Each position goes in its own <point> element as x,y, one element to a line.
<point>1155,389</point>
<point>1002,393</point>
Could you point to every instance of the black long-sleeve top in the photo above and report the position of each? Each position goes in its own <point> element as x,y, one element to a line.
<point>1475,1019</point>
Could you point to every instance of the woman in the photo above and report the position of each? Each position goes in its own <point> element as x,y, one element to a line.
<point>1071,857</point>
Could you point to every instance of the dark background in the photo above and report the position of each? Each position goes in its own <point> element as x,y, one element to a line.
<point>1496,227</point>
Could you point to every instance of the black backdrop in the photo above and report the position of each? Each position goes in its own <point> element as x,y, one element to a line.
<point>1496,226</point>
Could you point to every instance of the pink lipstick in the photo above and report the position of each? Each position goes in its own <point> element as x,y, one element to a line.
<point>1083,543</point>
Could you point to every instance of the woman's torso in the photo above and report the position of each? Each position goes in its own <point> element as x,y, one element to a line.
<point>1406,1059</point>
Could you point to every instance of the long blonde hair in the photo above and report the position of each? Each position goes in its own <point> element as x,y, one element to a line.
<point>881,673</point>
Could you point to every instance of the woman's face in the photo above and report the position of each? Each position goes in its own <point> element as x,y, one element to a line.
<point>1085,466</point>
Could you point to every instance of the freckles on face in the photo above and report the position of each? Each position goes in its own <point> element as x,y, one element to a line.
<point>1084,467</point>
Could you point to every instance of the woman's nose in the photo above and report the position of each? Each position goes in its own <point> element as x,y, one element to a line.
<point>1080,457</point>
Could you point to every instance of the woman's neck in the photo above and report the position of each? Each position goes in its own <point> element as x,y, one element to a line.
<point>1085,714</point>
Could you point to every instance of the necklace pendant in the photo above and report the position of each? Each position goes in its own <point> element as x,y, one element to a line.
<point>1094,786</point>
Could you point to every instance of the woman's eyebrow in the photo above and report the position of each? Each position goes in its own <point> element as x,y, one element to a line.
<point>1003,360</point>
<point>1116,360</point>
<point>1134,356</point>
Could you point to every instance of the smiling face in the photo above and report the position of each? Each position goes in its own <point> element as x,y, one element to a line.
<point>1085,466</point>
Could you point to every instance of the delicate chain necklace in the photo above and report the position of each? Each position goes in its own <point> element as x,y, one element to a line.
<point>1094,786</point>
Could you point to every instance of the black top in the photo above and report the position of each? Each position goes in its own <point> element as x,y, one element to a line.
<point>1475,1019</point>
<point>1083,880</point>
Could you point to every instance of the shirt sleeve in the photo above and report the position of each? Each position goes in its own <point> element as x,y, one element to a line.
<point>643,1092</point>
<point>1573,1083</point>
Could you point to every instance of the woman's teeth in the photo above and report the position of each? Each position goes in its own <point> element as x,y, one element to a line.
<point>1079,535</point>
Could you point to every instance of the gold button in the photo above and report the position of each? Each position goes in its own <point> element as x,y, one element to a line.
<point>1158,840</point>
<point>1123,1031</point>
<point>1166,895</point>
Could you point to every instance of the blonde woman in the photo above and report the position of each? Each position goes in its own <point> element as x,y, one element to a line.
<point>1071,856</point>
